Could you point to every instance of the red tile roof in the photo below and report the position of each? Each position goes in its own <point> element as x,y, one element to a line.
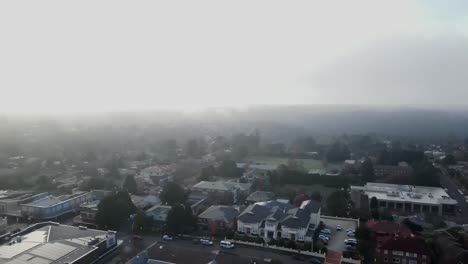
<point>406,244</point>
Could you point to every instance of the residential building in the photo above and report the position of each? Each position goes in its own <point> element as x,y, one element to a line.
<point>3,225</point>
<point>260,196</point>
<point>274,220</point>
<point>51,242</point>
<point>158,213</point>
<point>407,198</point>
<point>87,215</point>
<point>221,188</point>
<point>408,250</point>
<point>218,218</point>
<point>50,206</point>
<point>385,230</point>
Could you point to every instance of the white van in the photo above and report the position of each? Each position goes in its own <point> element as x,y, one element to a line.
<point>226,244</point>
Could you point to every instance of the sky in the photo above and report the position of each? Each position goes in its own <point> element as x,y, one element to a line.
<point>87,56</point>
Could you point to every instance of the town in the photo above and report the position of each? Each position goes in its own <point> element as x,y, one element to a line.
<point>354,199</point>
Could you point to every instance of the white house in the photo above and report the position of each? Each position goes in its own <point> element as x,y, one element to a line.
<point>274,220</point>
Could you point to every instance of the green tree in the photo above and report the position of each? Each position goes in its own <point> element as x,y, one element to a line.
<point>316,196</point>
<point>207,173</point>
<point>45,183</point>
<point>192,148</point>
<point>141,222</point>
<point>169,149</point>
<point>425,174</point>
<point>173,194</point>
<point>113,210</point>
<point>130,184</point>
<point>228,169</point>
<point>449,160</point>
<point>367,171</point>
<point>95,183</point>
<point>365,244</point>
<point>338,152</point>
<point>180,219</point>
<point>337,204</point>
<point>240,152</point>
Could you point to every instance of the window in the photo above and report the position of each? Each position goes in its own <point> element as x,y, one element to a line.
<point>413,255</point>
<point>398,253</point>
<point>396,260</point>
<point>385,252</point>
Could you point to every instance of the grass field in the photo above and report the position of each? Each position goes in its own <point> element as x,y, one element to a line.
<point>309,164</point>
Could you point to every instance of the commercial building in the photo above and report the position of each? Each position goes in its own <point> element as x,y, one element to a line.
<point>87,215</point>
<point>400,171</point>
<point>52,243</point>
<point>10,201</point>
<point>406,198</point>
<point>275,220</point>
<point>50,206</point>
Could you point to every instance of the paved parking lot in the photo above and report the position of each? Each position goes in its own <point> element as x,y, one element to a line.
<point>337,238</point>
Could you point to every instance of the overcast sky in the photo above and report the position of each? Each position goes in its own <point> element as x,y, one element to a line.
<point>133,55</point>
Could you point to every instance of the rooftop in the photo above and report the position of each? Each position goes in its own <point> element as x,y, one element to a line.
<point>260,196</point>
<point>222,186</point>
<point>406,244</point>
<point>220,212</point>
<point>406,193</point>
<point>52,243</point>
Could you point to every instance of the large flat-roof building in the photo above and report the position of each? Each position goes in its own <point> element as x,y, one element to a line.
<point>407,198</point>
<point>50,206</point>
<point>52,243</point>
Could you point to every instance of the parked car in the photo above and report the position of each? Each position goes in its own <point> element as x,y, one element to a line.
<point>168,238</point>
<point>349,230</point>
<point>323,237</point>
<point>350,241</point>
<point>350,247</point>
<point>338,227</point>
<point>326,231</point>
<point>315,261</point>
<point>226,244</point>
<point>350,234</point>
<point>206,242</point>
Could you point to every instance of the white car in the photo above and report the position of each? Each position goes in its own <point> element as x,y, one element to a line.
<point>351,234</point>
<point>168,238</point>
<point>349,230</point>
<point>326,231</point>
<point>338,227</point>
<point>206,242</point>
<point>226,244</point>
<point>350,241</point>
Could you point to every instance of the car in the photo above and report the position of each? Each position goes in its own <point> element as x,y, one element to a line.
<point>315,261</point>
<point>326,231</point>
<point>206,242</point>
<point>226,244</point>
<point>350,241</point>
<point>338,227</point>
<point>350,247</point>
<point>350,234</point>
<point>168,238</point>
<point>349,230</point>
<point>323,237</point>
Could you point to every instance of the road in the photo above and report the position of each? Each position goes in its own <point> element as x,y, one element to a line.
<point>448,183</point>
<point>244,251</point>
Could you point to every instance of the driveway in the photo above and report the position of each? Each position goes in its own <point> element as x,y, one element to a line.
<point>337,238</point>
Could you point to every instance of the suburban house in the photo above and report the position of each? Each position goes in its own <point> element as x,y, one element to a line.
<point>220,188</point>
<point>260,196</point>
<point>274,220</point>
<point>158,213</point>
<point>218,218</point>
<point>410,250</point>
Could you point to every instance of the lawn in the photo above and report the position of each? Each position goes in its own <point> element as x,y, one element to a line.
<point>309,164</point>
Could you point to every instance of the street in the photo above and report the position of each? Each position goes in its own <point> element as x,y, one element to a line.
<point>241,250</point>
<point>449,184</point>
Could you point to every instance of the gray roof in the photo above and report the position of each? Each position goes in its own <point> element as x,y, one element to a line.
<point>220,212</point>
<point>60,232</point>
<point>260,196</point>
<point>254,213</point>
<point>222,186</point>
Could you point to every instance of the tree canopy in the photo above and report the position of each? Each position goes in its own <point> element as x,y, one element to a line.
<point>337,203</point>
<point>338,152</point>
<point>130,184</point>
<point>367,171</point>
<point>180,219</point>
<point>172,194</point>
<point>228,169</point>
<point>113,210</point>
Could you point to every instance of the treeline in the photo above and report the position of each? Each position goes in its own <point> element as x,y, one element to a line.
<point>287,175</point>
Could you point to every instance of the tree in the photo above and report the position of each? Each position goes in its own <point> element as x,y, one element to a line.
<point>95,183</point>
<point>299,199</point>
<point>193,148</point>
<point>169,149</point>
<point>337,203</point>
<point>228,169</point>
<point>130,184</point>
<point>425,174</point>
<point>45,183</point>
<point>240,152</point>
<point>365,245</point>
<point>180,219</point>
<point>207,173</point>
<point>449,160</point>
<point>113,210</point>
<point>316,196</point>
<point>338,152</point>
<point>172,194</point>
<point>374,206</point>
<point>367,171</point>
<point>141,222</point>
